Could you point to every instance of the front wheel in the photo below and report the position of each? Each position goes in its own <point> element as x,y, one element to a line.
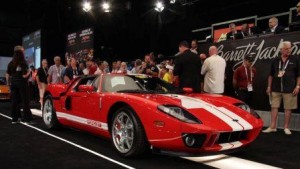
<point>49,114</point>
<point>128,136</point>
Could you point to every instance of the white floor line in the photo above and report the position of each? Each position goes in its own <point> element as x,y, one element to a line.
<point>228,162</point>
<point>73,144</point>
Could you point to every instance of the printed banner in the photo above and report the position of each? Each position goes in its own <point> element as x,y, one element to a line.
<point>265,49</point>
<point>80,45</point>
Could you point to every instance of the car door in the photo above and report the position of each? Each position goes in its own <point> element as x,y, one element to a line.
<point>77,102</point>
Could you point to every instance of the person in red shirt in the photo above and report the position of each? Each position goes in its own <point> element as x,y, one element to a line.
<point>92,68</point>
<point>243,80</point>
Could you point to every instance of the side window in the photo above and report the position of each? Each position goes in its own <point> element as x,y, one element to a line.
<point>95,83</point>
<point>84,81</point>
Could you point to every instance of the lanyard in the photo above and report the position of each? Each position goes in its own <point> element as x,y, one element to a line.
<point>75,72</point>
<point>45,71</point>
<point>58,70</point>
<point>246,72</point>
<point>284,66</point>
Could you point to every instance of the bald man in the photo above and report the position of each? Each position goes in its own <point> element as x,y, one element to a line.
<point>274,27</point>
<point>213,70</point>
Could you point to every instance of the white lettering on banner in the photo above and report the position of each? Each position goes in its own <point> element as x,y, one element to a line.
<point>72,36</point>
<point>86,32</point>
<point>262,52</point>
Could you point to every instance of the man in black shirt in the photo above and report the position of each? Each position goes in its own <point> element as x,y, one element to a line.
<point>73,71</point>
<point>234,33</point>
<point>274,27</point>
<point>283,83</point>
<point>187,68</point>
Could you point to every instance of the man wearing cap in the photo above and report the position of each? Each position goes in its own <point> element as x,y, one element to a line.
<point>243,80</point>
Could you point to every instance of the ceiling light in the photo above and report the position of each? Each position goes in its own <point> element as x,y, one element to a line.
<point>172,1</point>
<point>159,7</point>
<point>106,7</point>
<point>87,6</point>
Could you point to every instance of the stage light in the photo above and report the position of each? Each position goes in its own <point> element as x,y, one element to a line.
<point>106,7</point>
<point>159,7</point>
<point>172,1</point>
<point>86,6</point>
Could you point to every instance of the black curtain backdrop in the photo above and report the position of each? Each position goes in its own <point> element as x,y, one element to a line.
<point>265,48</point>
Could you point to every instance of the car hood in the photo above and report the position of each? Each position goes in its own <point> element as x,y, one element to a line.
<point>215,111</point>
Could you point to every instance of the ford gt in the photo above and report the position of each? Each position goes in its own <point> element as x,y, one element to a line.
<point>138,113</point>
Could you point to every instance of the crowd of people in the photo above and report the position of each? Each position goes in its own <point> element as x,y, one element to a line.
<point>190,69</point>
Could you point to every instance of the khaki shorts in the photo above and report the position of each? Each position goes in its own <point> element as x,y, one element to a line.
<point>289,100</point>
<point>42,89</point>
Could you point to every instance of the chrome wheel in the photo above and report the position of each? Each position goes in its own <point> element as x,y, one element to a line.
<point>123,132</point>
<point>48,112</point>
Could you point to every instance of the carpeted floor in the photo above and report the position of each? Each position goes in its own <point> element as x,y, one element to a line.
<point>22,147</point>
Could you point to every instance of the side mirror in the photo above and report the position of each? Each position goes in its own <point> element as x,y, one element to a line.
<point>188,90</point>
<point>85,88</point>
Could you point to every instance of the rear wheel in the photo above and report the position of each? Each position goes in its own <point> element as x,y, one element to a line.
<point>127,133</point>
<point>49,114</point>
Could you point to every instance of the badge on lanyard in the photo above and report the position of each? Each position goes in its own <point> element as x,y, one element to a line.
<point>282,69</point>
<point>75,74</point>
<point>18,68</point>
<point>250,87</point>
<point>281,73</point>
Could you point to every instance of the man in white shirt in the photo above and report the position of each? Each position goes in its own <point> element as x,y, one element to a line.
<point>55,71</point>
<point>214,71</point>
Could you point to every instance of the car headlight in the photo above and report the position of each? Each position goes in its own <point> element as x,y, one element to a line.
<point>247,108</point>
<point>179,113</point>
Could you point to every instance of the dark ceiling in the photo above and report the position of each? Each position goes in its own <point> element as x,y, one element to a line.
<point>130,30</point>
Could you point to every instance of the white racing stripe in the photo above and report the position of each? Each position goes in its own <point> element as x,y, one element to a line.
<point>228,162</point>
<point>77,119</point>
<point>192,103</point>
<point>232,145</point>
<point>75,145</point>
<point>244,123</point>
<point>84,121</point>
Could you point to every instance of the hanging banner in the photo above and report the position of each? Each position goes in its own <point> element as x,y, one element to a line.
<point>265,48</point>
<point>80,45</point>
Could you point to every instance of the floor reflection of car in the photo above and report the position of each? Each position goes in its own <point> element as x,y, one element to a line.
<point>138,113</point>
<point>4,90</point>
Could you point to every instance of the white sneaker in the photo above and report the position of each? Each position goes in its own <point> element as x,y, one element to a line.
<point>269,130</point>
<point>287,131</point>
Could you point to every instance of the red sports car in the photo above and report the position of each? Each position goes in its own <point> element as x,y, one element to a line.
<point>138,112</point>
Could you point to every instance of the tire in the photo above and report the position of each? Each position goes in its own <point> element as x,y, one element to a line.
<point>49,114</point>
<point>127,133</point>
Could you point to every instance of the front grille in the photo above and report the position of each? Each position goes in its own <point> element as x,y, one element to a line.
<point>228,137</point>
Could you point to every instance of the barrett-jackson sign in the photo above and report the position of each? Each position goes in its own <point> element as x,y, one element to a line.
<point>264,49</point>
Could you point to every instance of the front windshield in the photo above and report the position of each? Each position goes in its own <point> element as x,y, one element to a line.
<point>137,84</point>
